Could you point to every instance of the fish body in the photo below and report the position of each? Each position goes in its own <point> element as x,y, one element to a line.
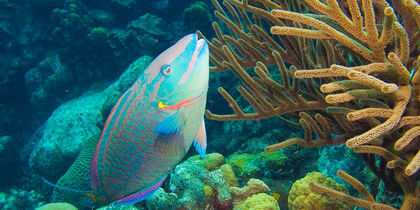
<point>153,124</point>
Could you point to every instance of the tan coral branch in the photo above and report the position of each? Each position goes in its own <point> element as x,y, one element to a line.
<point>414,165</point>
<point>367,203</point>
<point>408,136</point>
<point>369,112</point>
<point>356,184</point>
<point>402,98</point>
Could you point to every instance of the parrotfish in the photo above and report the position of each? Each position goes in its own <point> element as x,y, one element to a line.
<point>153,125</point>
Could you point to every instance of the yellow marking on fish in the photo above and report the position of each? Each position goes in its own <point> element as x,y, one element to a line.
<point>161,105</point>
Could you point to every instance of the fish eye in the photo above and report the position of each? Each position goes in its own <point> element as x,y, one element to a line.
<point>166,70</point>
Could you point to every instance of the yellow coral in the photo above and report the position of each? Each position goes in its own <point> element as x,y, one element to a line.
<point>302,197</point>
<point>254,186</point>
<point>260,201</point>
<point>208,191</point>
<point>229,175</point>
<point>211,161</point>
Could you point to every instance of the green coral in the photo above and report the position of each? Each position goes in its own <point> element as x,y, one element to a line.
<point>57,206</point>
<point>253,165</point>
<point>302,197</point>
<point>273,160</point>
<point>244,165</point>
<point>260,201</point>
<point>210,161</point>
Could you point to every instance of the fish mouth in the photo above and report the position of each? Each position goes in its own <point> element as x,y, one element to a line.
<point>200,44</point>
<point>183,103</point>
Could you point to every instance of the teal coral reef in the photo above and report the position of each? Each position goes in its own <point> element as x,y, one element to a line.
<point>20,199</point>
<point>197,186</point>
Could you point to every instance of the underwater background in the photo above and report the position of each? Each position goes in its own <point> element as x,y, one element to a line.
<point>65,63</point>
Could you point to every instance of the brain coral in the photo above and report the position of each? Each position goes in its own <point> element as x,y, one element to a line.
<point>260,201</point>
<point>302,197</point>
<point>57,206</point>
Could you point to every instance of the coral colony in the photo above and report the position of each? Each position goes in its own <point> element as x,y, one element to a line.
<point>350,74</point>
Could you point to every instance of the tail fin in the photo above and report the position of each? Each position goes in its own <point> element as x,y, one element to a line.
<point>63,188</point>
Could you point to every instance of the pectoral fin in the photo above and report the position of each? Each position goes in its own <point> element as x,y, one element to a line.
<point>200,140</point>
<point>171,125</point>
<point>172,129</point>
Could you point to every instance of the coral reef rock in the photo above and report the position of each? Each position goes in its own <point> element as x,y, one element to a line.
<point>49,83</point>
<point>301,195</point>
<point>64,133</point>
<point>253,187</point>
<point>20,199</point>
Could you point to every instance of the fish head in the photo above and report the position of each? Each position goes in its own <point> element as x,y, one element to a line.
<point>180,74</point>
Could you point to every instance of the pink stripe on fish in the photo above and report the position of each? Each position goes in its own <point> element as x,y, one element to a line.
<point>94,164</point>
<point>185,102</point>
<point>157,86</point>
<point>187,73</point>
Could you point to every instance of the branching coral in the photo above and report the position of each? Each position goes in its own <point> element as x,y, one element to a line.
<point>367,202</point>
<point>350,73</point>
